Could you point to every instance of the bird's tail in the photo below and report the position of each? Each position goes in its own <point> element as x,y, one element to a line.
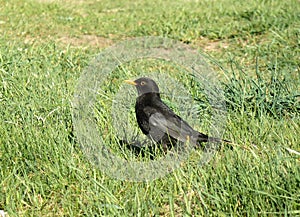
<point>213,143</point>
<point>212,139</point>
<point>204,138</point>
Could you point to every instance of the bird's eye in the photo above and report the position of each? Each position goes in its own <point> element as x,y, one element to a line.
<point>143,83</point>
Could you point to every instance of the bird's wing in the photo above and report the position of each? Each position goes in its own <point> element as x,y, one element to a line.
<point>170,124</point>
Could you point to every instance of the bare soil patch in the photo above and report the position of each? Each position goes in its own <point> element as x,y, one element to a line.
<point>86,41</point>
<point>211,45</point>
<point>62,1</point>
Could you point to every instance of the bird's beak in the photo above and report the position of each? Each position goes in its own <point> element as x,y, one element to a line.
<point>130,82</point>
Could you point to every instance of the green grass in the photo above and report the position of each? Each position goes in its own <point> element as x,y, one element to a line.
<point>44,47</point>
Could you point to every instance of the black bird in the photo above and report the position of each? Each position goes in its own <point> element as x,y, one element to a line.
<point>159,122</point>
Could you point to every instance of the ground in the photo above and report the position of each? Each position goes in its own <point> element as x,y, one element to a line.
<point>47,45</point>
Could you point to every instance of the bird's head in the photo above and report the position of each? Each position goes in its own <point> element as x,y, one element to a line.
<point>144,85</point>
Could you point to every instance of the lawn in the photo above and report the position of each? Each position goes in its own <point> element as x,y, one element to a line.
<point>46,46</point>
